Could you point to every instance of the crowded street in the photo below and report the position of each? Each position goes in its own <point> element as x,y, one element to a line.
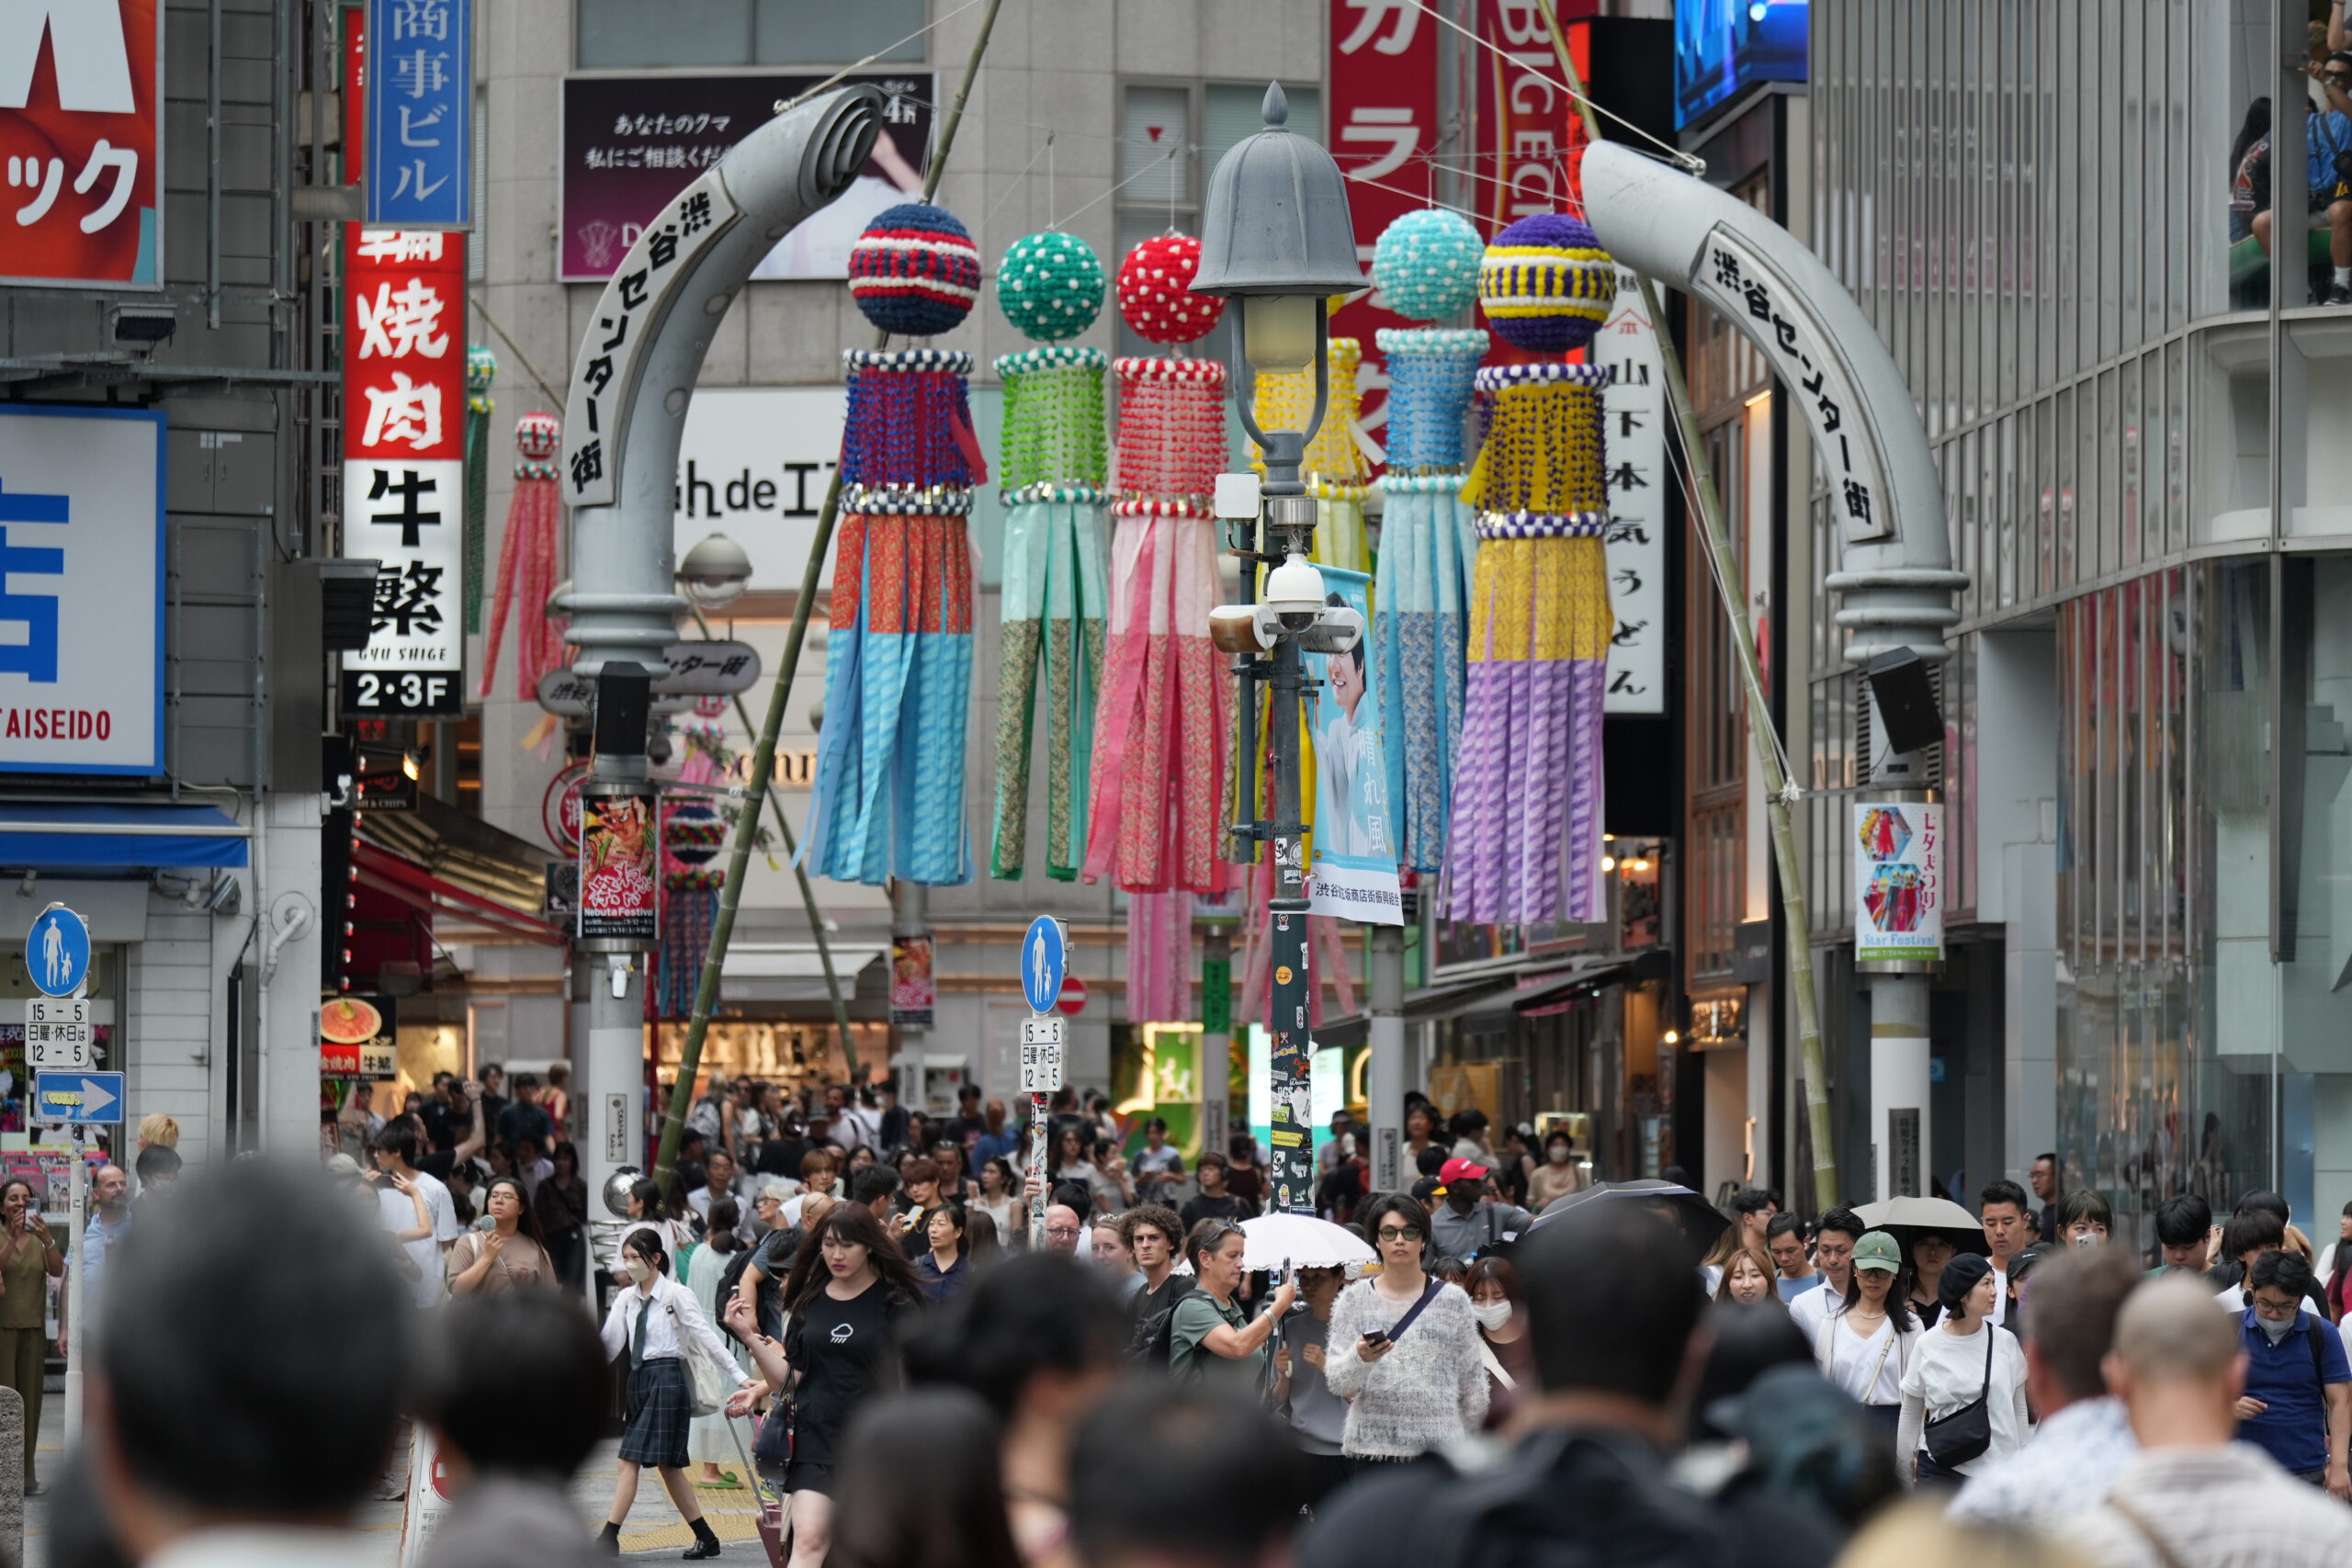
<point>1175,784</point>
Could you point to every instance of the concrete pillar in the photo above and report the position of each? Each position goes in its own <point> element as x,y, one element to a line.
<point>290,927</point>
<point>1899,1122</point>
<point>1387,1080</point>
<point>2029,1008</point>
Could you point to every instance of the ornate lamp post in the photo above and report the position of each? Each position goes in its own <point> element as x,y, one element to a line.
<point>1276,239</point>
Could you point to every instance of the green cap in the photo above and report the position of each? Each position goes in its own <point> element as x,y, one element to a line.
<point>1876,1249</point>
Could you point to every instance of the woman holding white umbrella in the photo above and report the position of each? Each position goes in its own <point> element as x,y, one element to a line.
<point>1404,1347</point>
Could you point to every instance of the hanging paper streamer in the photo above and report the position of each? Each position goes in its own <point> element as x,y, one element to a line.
<point>888,799</point>
<point>1159,744</point>
<point>1159,957</point>
<point>1056,599</point>
<point>482,369</point>
<point>692,836</point>
<point>526,561</point>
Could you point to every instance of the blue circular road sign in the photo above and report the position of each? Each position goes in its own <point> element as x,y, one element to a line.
<point>1044,957</point>
<point>57,951</point>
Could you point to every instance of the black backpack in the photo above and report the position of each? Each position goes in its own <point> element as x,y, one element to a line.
<point>1154,1333</point>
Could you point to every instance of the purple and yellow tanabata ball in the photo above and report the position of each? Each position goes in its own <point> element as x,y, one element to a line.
<point>1546,284</point>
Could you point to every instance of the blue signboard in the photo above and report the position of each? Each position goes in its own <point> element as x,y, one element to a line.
<point>419,132</point>
<point>1045,954</point>
<point>1723,46</point>
<point>57,951</point>
<point>77,1097</point>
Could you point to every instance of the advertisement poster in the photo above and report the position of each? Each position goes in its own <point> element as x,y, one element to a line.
<point>1898,881</point>
<point>631,143</point>
<point>81,134</point>
<point>358,1038</point>
<point>403,472</point>
<point>81,590</point>
<point>1355,859</point>
<point>914,995</point>
<point>617,856</point>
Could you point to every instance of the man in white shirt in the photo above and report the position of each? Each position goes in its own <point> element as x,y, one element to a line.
<point>719,1173</point>
<point>1832,1255</point>
<point>2002,1207</point>
<point>2193,1497</point>
<point>425,1243</point>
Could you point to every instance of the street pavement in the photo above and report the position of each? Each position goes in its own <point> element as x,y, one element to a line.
<point>654,1529</point>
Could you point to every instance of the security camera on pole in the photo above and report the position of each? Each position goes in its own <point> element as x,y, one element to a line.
<point>1277,241</point>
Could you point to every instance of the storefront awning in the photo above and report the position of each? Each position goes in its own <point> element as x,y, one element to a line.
<point>118,837</point>
<point>790,971</point>
<point>1546,990</point>
<point>372,866</point>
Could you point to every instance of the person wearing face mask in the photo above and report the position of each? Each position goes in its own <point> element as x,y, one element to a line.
<point>1558,1175</point>
<point>658,1324</point>
<point>2297,1403</point>
<point>1504,1347</point>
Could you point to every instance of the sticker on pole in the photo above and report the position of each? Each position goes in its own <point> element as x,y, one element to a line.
<point>57,951</point>
<point>1044,955</point>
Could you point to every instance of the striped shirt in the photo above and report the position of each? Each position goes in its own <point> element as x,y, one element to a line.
<point>2213,1507</point>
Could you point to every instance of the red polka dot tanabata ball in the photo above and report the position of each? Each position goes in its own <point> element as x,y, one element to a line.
<point>1155,295</point>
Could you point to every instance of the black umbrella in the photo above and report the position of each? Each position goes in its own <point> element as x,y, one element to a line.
<point>1699,1221</point>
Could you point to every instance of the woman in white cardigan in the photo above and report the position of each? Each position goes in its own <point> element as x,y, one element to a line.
<point>1403,1348</point>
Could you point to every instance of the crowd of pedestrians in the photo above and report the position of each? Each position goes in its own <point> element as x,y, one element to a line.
<point>1609,1382</point>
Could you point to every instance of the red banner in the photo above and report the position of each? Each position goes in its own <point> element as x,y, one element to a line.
<point>1529,134</point>
<point>1382,92</point>
<point>81,138</point>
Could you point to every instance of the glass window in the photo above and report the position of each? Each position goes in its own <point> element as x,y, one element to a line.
<point>835,32</point>
<point>622,34</point>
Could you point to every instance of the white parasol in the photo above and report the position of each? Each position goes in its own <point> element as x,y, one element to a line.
<point>1303,1241</point>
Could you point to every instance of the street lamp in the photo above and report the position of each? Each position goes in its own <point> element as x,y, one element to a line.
<point>1277,241</point>
<point>715,572</point>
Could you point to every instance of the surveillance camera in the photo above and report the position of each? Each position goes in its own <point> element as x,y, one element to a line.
<point>1247,629</point>
<point>1294,591</point>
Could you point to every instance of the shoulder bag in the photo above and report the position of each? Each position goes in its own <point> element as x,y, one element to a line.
<point>707,1385</point>
<point>1953,1440</point>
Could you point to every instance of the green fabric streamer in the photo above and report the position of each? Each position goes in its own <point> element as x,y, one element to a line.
<point>482,369</point>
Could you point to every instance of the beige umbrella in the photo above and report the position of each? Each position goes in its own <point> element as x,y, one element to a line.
<point>1907,1219</point>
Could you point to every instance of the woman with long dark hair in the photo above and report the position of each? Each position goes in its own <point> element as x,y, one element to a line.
<point>1504,1347</point>
<point>983,1249</point>
<point>510,1255</point>
<point>849,1289</point>
<point>999,1190</point>
<point>1865,1347</point>
<point>955,1518</point>
<point>658,1324</point>
<point>562,1205</point>
<point>649,1209</point>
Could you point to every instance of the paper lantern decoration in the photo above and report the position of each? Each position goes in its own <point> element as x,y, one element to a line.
<point>1426,264</point>
<point>1546,284</point>
<point>915,271</point>
<point>1526,814</point>
<point>1056,601</point>
<point>526,561</point>
<point>888,796</point>
<point>1049,286</point>
<point>1156,291</point>
<point>1422,596</point>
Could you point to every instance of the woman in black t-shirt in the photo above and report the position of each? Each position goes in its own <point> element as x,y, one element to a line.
<point>849,1288</point>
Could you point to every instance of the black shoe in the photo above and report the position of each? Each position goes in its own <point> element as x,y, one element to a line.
<point>706,1547</point>
<point>2338,295</point>
<point>608,1540</point>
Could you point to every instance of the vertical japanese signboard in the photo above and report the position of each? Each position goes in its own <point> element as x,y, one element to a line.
<point>403,472</point>
<point>1382,82</point>
<point>1529,130</point>
<point>417,149</point>
<point>81,590</point>
<point>1635,409</point>
<point>82,142</point>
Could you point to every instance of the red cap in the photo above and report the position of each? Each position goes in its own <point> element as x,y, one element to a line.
<point>1455,1170</point>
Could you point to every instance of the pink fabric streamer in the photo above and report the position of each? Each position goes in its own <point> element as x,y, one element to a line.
<point>526,565</point>
<point>1159,957</point>
<point>1328,961</point>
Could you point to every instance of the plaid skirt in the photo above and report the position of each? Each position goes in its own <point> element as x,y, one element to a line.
<point>661,1410</point>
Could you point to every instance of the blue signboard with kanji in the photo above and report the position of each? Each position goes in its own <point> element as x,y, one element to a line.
<point>419,129</point>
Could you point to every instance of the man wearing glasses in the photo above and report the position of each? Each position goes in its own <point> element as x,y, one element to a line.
<point>2297,1405</point>
<point>1063,1228</point>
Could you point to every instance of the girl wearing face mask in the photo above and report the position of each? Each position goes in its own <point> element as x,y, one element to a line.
<point>657,1324</point>
<point>1558,1175</point>
<point>1503,1344</point>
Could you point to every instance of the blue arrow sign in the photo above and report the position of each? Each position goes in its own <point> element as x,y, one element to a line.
<point>77,1097</point>
<point>57,951</point>
<point>1044,955</point>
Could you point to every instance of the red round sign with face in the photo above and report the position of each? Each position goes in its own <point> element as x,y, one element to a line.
<point>559,807</point>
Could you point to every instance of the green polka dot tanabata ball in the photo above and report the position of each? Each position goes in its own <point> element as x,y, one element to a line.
<point>1426,264</point>
<point>1050,286</point>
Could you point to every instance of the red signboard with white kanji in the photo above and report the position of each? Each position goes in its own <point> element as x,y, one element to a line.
<point>403,446</point>
<point>81,142</point>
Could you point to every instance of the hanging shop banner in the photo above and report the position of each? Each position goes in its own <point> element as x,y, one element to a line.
<point>1381,82</point>
<point>631,143</point>
<point>81,590</point>
<point>914,993</point>
<point>1530,133</point>
<point>618,852</point>
<point>1355,853</point>
<point>403,472</point>
<point>357,1038</point>
<point>1635,412</point>
<point>83,143</point>
<point>418,144</point>
<point>1898,881</point>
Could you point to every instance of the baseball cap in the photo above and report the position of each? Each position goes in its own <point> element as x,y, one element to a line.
<point>1458,1169</point>
<point>1876,1249</point>
<point>342,1165</point>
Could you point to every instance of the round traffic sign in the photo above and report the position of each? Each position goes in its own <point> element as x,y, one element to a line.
<point>57,951</point>
<point>1044,957</point>
<point>1072,1001</point>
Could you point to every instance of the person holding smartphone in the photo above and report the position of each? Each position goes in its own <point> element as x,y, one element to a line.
<point>29,1259</point>
<point>1404,1347</point>
<point>1211,1337</point>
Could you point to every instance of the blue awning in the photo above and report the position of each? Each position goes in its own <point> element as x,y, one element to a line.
<point>126,837</point>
